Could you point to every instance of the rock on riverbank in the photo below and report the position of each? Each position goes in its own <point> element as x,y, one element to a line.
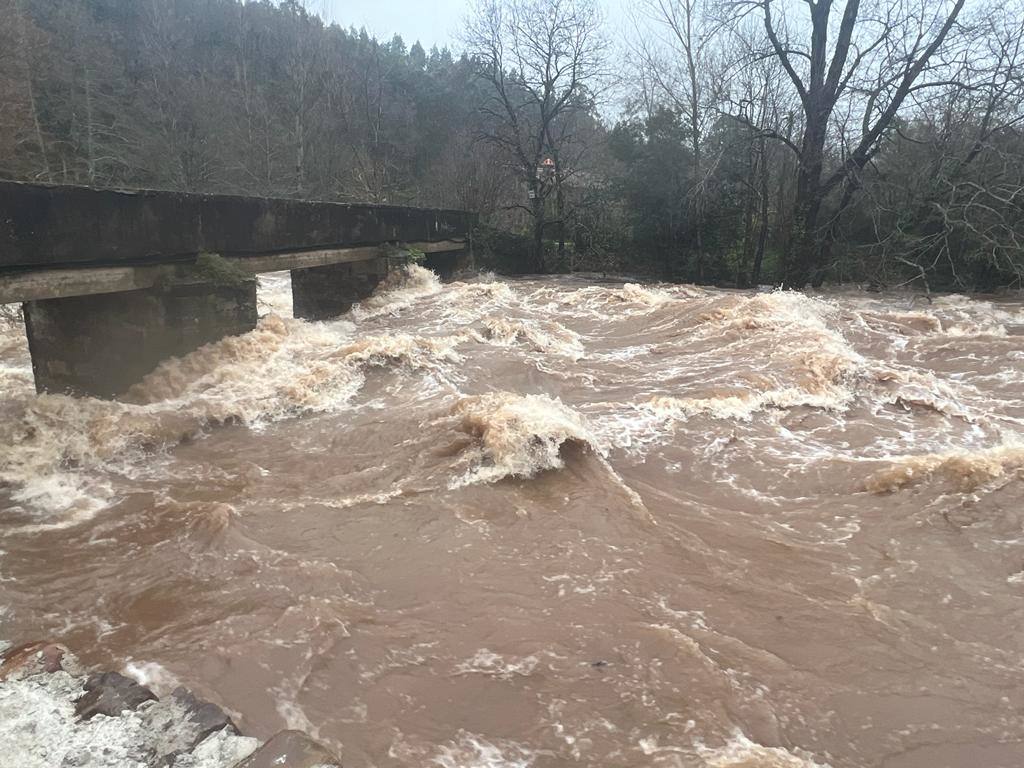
<point>54,714</point>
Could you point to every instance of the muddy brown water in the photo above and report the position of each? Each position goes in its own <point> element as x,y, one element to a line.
<point>553,523</point>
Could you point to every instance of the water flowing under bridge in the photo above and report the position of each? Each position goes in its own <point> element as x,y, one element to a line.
<point>114,281</point>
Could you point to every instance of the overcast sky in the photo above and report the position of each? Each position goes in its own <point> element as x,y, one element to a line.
<point>432,22</point>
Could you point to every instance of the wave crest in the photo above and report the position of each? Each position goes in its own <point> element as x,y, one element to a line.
<point>519,435</point>
<point>545,336</point>
<point>966,470</point>
<point>398,290</point>
<point>798,359</point>
<point>405,348</point>
<point>281,369</point>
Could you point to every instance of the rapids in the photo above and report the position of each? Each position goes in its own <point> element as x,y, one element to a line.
<point>553,522</point>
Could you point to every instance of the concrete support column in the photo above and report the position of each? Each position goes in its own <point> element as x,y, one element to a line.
<point>320,293</point>
<point>101,345</point>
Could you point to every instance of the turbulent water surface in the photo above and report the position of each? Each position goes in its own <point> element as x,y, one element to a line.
<point>552,523</point>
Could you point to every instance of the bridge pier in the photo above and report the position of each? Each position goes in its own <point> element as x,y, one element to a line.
<point>447,264</point>
<point>115,281</point>
<point>320,293</point>
<point>100,345</point>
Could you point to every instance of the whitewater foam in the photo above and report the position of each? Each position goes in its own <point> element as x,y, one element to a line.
<point>472,751</point>
<point>51,443</point>
<point>966,470</point>
<point>487,662</point>
<point>274,293</point>
<point>639,294</point>
<point>152,675</point>
<point>741,752</point>
<point>547,336</point>
<point>519,435</point>
<point>400,289</point>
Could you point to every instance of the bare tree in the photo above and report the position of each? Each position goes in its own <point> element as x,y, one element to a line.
<point>757,102</point>
<point>171,131</point>
<point>948,196</point>
<point>23,142</point>
<point>303,66</point>
<point>877,57</point>
<point>678,49</point>
<point>371,115</point>
<point>254,133</point>
<point>541,60</point>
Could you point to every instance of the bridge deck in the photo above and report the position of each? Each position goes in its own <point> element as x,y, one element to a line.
<point>102,309</point>
<point>58,226</point>
<point>33,284</point>
<point>58,241</point>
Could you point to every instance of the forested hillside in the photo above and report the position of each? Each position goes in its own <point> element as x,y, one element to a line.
<point>220,96</point>
<point>734,143</point>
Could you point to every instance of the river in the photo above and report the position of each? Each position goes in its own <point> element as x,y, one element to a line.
<point>552,522</point>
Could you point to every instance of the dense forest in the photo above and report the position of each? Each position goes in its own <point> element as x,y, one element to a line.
<point>787,142</point>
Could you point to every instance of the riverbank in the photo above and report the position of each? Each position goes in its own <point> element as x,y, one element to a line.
<point>54,712</point>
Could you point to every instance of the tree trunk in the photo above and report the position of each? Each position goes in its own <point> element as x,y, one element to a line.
<point>90,142</point>
<point>300,137</point>
<point>803,262</point>
<point>698,204</point>
<point>538,232</point>
<point>762,237</point>
<point>747,244</point>
<point>560,211</point>
<point>31,92</point>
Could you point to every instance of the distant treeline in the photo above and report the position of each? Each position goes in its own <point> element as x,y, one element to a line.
<point>762,141</point>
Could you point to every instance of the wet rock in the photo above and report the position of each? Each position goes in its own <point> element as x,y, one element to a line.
<point>207,717</point>
<point>290,749</point>
<point>220,750</point>
<point>111,694</point>
<point>32,658</point>
<point>181,721</point>
<point>50,720</point>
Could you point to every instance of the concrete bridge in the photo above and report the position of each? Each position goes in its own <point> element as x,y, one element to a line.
<point>112,282</point>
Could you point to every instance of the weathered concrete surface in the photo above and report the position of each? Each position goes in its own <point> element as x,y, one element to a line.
<point>35,284</point>
<point>101,345</point>
<point>320,293</point>
<point>54,226</point>
<point>89,266</point>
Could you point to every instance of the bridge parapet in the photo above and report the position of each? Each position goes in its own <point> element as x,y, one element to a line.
<point>44,226</point>
<point>90,266</point>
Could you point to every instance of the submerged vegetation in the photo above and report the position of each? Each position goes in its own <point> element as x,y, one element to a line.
<point>745,142</point>
<point>211,268</point>
<point>214,268</point>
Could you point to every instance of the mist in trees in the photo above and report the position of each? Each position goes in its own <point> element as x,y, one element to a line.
<point>738,142</point>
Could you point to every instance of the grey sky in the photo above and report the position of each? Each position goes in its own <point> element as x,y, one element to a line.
<point>432,22</point>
